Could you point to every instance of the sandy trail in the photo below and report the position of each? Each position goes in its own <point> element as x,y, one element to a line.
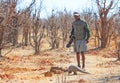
<point>30,69</point>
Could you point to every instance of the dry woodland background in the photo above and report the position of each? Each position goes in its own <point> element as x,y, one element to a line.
<point>30,45</point>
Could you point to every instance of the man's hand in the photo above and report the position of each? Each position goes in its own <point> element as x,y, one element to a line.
<point>72,37</point>
<point>87,41</point>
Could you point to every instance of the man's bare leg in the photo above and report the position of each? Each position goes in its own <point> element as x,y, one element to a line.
<point>78,58</point>
<point>83,60</point>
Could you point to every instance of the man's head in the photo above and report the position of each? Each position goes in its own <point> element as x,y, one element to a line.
<point>76,15</point>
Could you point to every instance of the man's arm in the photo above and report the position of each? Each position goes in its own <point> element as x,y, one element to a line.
<point>87,31</point>
<point>72,32</point>
<point>71,38</point>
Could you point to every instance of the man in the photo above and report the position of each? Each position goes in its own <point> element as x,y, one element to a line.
<point>81,33</point>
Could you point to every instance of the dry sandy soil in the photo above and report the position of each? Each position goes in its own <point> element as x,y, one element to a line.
<point>21,66</point>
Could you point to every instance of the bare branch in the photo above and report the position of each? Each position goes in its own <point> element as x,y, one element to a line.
<point>115,4</point>
<point>104,3</point>
<point>110,5</point>
<point>98,4</point>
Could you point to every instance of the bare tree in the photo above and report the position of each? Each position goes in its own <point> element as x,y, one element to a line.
<point>54,33</point>
<point>104,10</point>
<point>37,34</point>
<point>37,30</point>
<point>26,14</point>
<point>8,14</point>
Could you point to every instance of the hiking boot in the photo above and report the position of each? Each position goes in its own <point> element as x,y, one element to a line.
<point>83,69</point>
<point>79,66</point>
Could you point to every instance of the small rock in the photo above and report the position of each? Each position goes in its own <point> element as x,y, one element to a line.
<point>51,80</point>
<point>48,74</point>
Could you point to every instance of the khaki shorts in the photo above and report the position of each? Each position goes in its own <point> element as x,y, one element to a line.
<point>80,46</point>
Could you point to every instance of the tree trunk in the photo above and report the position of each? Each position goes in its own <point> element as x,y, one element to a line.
<point>26,39</point>
<point>53,44</point>
<point>118,50</point>
<point>1,47</point>
<point>57,43</point>
<point>104,37</point>
<point>25,35</point>
<point>1,39</point>
<point>15,31</point>
<point>97,37</point>
<point>15,37</point>
<point>37,51</point>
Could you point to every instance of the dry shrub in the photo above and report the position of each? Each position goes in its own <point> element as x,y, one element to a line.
<point>108,64</point>
<point>106,53</point>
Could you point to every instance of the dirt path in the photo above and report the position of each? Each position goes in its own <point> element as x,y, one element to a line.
<point>30,69</point>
